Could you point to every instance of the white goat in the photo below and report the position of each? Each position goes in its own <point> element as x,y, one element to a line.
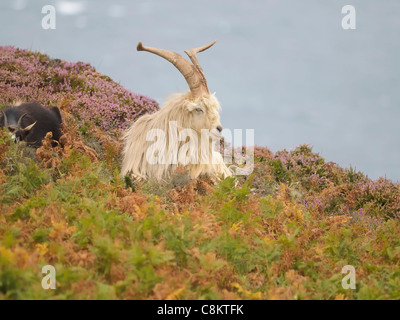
<point>186,128</point>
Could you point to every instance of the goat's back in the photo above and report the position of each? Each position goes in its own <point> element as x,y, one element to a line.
<point>47,120</point>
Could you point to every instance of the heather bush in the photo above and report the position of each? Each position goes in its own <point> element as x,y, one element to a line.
<point>324,186</point>
<point>74,87</point>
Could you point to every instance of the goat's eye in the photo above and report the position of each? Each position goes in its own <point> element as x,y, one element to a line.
<point>199,110</point>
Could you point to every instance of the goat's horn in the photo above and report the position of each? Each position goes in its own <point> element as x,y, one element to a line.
<point>192,72</point>
<point>5,119</point>
<point>20,120</point>
<point>192,53</point>
<point>28,128</point>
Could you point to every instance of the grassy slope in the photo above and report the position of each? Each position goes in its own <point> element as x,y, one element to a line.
<point>283,233</point>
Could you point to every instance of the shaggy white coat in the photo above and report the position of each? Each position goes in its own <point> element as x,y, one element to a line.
<point>198,114</point>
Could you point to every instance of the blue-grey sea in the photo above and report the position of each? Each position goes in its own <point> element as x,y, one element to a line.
<point>285,68</point>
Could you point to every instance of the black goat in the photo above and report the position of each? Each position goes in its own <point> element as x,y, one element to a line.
<point>30,122</point>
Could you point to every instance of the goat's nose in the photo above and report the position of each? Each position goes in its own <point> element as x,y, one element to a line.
<point>219,128</point>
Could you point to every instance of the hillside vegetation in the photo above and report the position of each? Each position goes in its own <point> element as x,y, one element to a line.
<point>285,232</point>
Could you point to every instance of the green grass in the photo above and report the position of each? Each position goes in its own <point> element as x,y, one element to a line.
<point>110,240</point>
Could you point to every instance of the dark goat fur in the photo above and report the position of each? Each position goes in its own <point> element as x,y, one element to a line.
<point>47,120</point>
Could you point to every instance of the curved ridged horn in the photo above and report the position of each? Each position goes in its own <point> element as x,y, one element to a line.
<point>20,120</point>
<point>192,53</point>
<point>192,72</point>
<point>5,119</point>
<point>28,128</point>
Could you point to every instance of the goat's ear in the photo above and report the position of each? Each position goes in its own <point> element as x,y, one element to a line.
<point>192,107</point>
<point>29,128</point>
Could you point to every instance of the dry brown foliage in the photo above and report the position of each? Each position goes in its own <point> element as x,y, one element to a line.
<point>51,156</point>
